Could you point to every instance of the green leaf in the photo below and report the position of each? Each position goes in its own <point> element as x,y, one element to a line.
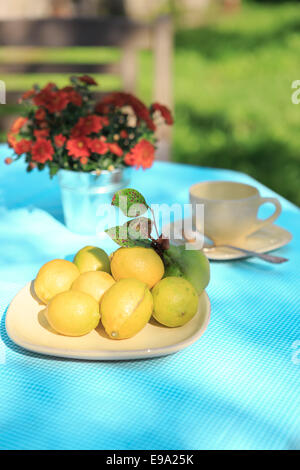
<point>53,169</point>
<point>130,201</point>
<point>139,228</point>
<point>116,235</point>
<point>121,235</point>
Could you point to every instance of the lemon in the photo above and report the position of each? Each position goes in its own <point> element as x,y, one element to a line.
<point>175,301</point>
<point>73,313</point>
<point>126,308</point>
<point>139,263</point>
<point>94,283</point>
<point>54,277</point>
<point>92,258</point>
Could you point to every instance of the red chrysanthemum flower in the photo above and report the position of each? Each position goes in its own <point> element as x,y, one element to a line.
<point>40,99</point>
<point>115,149</point>
<point>51,99</point>
<point>43,125</point>
<point>74,97</point>
<point>115,99</point>
<point>67,88</point>
<point>104,120</point>
<point>102,108</point>
<point>141,155</point>
<point>98,146</point>
<point>22,146</point>
<point>87,125</point>
<point>57,102</point>
<point>59,140</point>
<point>88,80</point>
<point>42,151</point>
<point>78,147</point>
<point>119,99</point>
<point>41,133</point>
<point>40,114</point>
<point>91,123</point>
<point>49,87</point>
<point>164,111</point>
<point>8,160</point>
<point>123,134</point>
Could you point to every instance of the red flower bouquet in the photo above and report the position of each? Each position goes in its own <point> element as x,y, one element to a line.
<point>64,128</point>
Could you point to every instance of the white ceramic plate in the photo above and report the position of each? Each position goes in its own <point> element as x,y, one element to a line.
<point>27,326</point>
<point>264,240</point>
<point>268,238</point>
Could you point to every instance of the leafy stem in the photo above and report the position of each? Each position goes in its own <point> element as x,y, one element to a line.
<point>154,221</point>
<point>137,231</point>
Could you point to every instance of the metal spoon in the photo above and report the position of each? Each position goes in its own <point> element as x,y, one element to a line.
<point>263,256</point>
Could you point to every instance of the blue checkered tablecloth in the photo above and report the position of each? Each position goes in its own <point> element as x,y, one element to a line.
<point>236,388</point>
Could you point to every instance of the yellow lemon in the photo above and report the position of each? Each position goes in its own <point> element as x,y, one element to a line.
<point>126,308</point>
<point>94,283</point>
<point>73,313</point>
<point>54,277</point>
<point>175,301</point>
<point>139,263</point>
<point>92,258</point>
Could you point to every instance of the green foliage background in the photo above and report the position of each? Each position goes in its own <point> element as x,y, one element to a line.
<point>232,86</point>
<point>233,95</point>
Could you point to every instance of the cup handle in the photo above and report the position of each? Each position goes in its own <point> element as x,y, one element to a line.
<point>261,223</point>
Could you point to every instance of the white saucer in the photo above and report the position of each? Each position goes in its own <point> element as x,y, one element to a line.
<point>26,325</point>
<point>266,239</point>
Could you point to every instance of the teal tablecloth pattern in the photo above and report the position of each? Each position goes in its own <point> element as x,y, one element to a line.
<point>238,387</point>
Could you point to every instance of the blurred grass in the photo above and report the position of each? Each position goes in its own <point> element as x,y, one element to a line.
<point>25,82</point>
<point>233,104</point>
<point>233,96</point>
<point>74,55</point>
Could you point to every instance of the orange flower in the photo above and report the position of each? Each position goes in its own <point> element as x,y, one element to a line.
<point>141,155</point>
<point>116,149</point>
<point>8,160</point>
<point>59,140</point>
<point>11,139</point>
<point>18,124</point>
<point>28,94</point>
<point>98,146</point>
<point>42,151</point>
<point>84,160</point>
<point>23,146</point>
<point>78,147</point>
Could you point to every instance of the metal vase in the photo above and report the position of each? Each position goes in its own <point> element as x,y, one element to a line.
<point>83,194</point>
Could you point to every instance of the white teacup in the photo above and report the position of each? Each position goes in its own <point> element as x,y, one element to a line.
<point>230,210</point>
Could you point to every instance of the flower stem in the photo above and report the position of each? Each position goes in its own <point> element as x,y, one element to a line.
<point>154,221</point>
